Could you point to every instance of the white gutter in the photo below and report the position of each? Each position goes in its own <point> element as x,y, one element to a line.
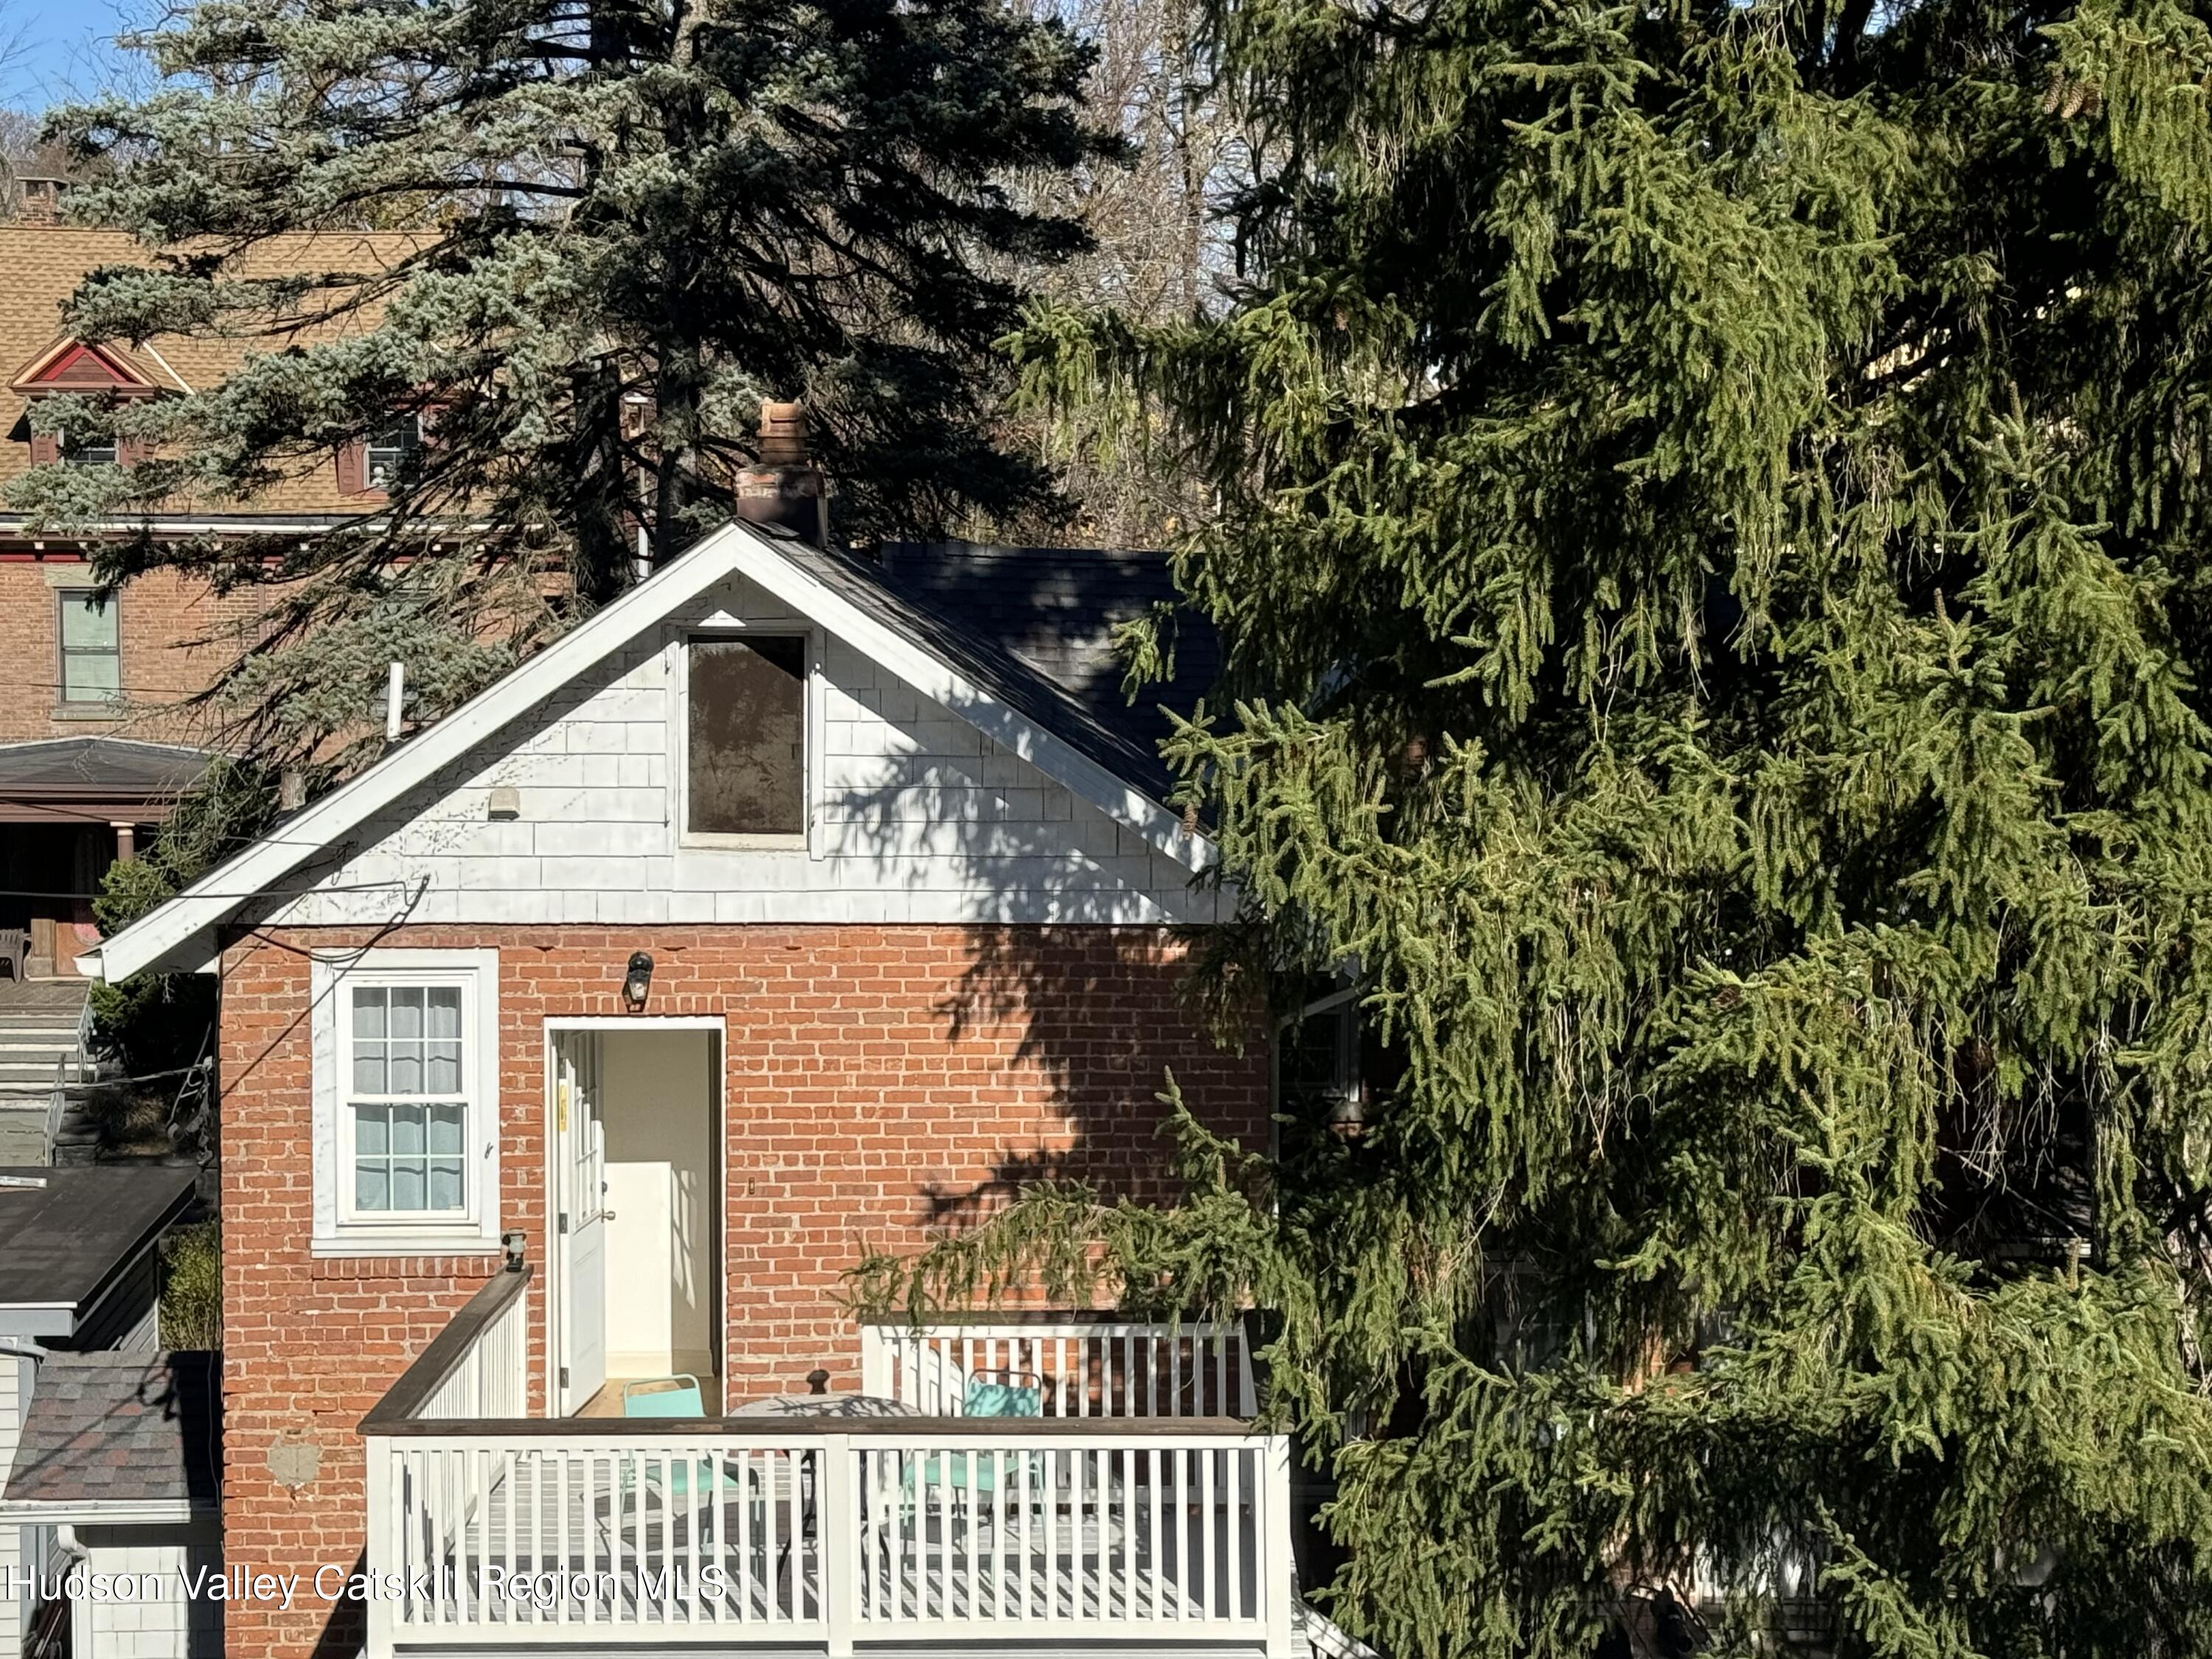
<point>102,1511</point>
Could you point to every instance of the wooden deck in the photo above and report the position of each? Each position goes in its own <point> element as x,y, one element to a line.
<point>1096,1526</point>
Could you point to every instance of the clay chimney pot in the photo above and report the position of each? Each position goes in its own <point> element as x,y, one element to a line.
<point>783,435</point>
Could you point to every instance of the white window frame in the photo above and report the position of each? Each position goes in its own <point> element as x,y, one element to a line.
<point>810,720</point>
<point>82,597</point>
<point>408,428</point>
<point>338,1230</point>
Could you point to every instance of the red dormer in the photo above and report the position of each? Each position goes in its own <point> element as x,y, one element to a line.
<point>68,366</point>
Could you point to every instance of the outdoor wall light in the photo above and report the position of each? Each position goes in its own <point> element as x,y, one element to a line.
<point>637,983</point>
<point>513,1244</point>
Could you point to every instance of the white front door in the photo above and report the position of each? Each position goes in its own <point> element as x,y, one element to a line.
<point>581,1218</point>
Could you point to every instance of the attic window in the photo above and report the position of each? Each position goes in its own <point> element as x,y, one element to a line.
<point>746,747</point>
<point>89,451</point>
<point>388,450</point>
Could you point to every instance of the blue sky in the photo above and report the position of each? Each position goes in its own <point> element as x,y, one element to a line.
<point>62,48</point>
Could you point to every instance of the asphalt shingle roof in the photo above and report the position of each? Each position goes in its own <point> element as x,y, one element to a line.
<point>61,1244</point>
<point>111,1427</point>
<point>1034,627</point>
<point>119,766</point>
<point>43,264</point>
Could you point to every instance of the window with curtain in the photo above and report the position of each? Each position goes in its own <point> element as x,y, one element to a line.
<point>407,1105</point>
<point>388,450</point>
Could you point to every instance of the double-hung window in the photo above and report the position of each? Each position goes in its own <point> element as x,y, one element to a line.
<point>407,1105</point>
<point>92,647</point>
<point>388,450</point>
<point>406,1109</point>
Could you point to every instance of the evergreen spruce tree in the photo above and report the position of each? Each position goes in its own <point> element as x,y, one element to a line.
<point>1714,566</point>
<point>625,224</point>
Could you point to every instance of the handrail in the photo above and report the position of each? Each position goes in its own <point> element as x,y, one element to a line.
<point>56,1109</point>
<point>396,1412</point>
<point>1044,1316</point>
<point>995,1430</point>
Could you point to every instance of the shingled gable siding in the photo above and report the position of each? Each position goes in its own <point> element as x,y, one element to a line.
<point>14,1380</point>
<point>866,1067</point>
<point>917,816</point>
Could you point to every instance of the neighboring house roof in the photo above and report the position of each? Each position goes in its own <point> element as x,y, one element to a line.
<point>112,1431</point>
<point>64,1244</point>
<point>1014,705</point>
<point>97,768</point>
<point>42,265</point>
<point>1056,610</point>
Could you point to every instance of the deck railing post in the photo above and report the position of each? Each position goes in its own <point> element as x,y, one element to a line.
<point>383,1523</point>
<point>1278,1581</point>
<point>875,1362</point>
<point>839,1544</point>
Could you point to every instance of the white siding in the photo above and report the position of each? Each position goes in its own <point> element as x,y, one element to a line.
<point>14,1390</point>
<point>168,1624</point>
<point>915,816</point>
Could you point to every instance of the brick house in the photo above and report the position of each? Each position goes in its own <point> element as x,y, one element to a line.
<point>96,743</point>
<point>573,1052</point>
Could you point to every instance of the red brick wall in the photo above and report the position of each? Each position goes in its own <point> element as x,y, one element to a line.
<point>176,637</point>
<point>866,1069</point>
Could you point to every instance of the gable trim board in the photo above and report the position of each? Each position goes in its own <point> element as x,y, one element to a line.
<point>114,370</point>
<point>177,934</point>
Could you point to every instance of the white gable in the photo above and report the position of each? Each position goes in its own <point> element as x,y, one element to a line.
<point>915,815</point>
<point>932,795</point>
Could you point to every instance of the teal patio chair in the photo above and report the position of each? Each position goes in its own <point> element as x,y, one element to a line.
<point>679,1397</point>
<point>982,1397</point>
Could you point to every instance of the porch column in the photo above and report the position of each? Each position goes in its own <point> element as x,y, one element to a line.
<point>126,843</point>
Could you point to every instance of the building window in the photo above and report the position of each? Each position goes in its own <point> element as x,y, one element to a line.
<point>92,648</point>
<point>406,1107</point>
<point>745,738</point>
<point>405,1104</point>
<point>89,452</point>
<point>388,450</point>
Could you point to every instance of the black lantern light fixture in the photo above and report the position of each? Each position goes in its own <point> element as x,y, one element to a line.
<point>637,981</point>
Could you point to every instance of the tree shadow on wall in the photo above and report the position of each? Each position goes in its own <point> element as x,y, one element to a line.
<point>1108,1015</point>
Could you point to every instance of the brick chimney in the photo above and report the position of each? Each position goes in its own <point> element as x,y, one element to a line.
<point>39,197</point>
<point>785,488</point>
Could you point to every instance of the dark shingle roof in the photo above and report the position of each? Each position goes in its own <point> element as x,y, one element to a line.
<point>98,766</point>
<point>114,1427</point>
<point>61,1244</point>
<point>1034,627</point>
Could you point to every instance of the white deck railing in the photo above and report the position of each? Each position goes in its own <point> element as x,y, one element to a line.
<point>489,1374</point>
<point>1080,1366</point>
<point>839,1534</point>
